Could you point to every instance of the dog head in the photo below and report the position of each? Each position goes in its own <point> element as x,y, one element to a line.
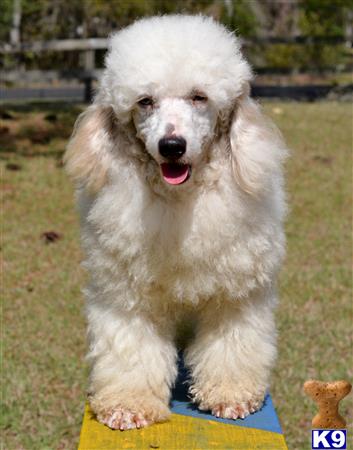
<point>176,83</point>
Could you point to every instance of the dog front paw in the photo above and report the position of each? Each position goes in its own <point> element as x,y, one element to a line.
<point>234,410</point>
<point>123,419</point>
<point>228,401</point>
<point>129,415</point>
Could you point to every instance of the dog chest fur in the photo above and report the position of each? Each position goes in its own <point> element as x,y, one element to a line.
<point>208,244</point>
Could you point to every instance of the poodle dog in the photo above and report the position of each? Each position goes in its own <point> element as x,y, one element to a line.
<point>180,193</point>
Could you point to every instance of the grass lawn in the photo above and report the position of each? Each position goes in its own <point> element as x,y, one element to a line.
<point>43,370</point>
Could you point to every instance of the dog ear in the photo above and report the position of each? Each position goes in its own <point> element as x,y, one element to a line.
<point>89,152</point>
<point>257,147</point>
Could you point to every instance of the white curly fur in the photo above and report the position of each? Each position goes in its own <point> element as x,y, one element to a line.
<point>207,250</point>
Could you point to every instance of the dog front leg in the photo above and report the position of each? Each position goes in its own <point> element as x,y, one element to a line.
<point>231,357</point>
<point>133,367</point>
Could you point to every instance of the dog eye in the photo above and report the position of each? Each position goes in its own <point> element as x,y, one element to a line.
<point>146,101</point>
<point>199,98</point>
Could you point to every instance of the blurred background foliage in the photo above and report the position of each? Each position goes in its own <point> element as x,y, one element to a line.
<point>325,27</point>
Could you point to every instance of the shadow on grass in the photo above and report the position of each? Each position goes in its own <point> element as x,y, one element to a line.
<point>36,129</point>
<point>9,155</point>
<point>30,107</point>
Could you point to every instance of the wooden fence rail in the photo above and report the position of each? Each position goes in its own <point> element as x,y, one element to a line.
<point>65,45</point>
<point>62,45</point>
<point>89,73</point>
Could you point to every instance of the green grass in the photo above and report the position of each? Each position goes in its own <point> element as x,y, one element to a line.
<point>315,315</point>
<point>44,373</point>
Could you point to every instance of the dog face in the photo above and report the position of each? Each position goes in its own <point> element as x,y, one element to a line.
<point>175,131</point>
<point>173,82</point>
<point>174,85</point>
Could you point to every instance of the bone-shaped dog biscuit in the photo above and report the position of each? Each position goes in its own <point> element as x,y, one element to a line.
<point>327,396</point>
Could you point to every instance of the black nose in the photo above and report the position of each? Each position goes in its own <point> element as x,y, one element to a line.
<point>172,147</point>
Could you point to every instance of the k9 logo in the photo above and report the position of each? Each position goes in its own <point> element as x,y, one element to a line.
<point>328,439</point>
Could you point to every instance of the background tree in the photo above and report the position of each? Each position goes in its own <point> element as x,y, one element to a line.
<point>319,20</point>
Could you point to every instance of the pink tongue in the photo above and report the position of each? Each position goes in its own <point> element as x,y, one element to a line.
<point>175,173</point>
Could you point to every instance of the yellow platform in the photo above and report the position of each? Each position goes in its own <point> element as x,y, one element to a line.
<point>181,432</point>
<point>189,429</point>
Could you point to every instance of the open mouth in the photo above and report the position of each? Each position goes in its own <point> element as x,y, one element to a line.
<point>174,173</point>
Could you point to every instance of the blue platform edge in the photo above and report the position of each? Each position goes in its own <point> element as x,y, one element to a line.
<point>265,419</point>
